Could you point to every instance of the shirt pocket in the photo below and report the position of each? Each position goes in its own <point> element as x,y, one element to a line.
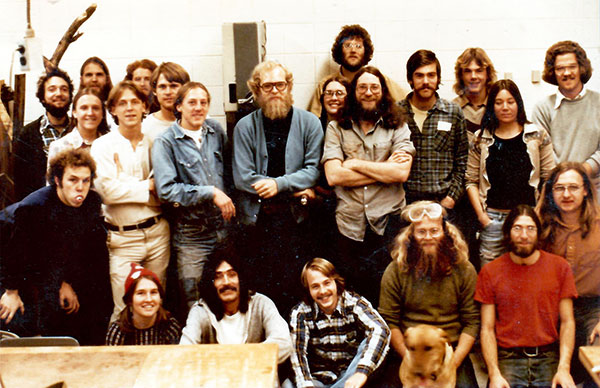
<point>381,151</point>
<point>218,163</point>
<point>352,150</point>
<point>443,141</point>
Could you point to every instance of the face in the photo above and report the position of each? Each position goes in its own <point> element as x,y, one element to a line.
<point>146,299</point>
<point>568,73</point>
<point>56,92</point>
<point>523,236</point>
<point>275,103</point>
<point>141,78</point>
<point>227,283</point>
<point>505,107</point>
<point>88,112</point>
<point>334,98</point>
<point>428,234</point>
<point>129,109</point>
<point>569,192</point>
<point>368,91</point>
<point>474,77</point>
<point>166,92</point>
<point>425,81</point>
<point>353,50</point>
<point>194,109</point>
<point>323,290</point>
<point>93,76</point>
<point>75,185</point>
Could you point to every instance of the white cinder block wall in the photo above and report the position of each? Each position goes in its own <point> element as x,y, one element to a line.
<point>515,34</point>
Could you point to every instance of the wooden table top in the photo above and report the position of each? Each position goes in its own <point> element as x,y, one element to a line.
<point>164,366</point>
<point>590,357</point>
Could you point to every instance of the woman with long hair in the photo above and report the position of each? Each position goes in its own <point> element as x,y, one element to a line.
<point>333,99</point>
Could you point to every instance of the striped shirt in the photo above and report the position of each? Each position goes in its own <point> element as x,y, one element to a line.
<point>325,346</point>
<point>168,333</point>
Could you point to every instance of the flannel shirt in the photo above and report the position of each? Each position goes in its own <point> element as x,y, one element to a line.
<point>49,133</point>
<point>324,347</point>
<point>442,150</point>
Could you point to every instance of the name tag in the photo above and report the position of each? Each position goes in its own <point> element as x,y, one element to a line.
<point>444,126</point>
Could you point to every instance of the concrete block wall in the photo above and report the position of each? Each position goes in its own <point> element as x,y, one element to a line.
<point>515,34</point>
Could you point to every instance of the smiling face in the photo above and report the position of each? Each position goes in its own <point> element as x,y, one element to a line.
<point>474,77</point>
<point>88,112</point>
<point>146,301</point>
<point>334,98</point>
<point>505,107</point>
<point>323,290</point>
<point>129,109</point>
<point>74,186</point>
<point>194,109</point>
<point>227,284</point>
<point>368,91</point>
<point>428,234</point>
<point>93,77</point>
<point>568,74</point>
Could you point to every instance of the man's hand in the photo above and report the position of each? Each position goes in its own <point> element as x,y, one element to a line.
<point>357,380</point>
<point>308,193</point>
<point>484,220</point>
<point>151,186</point>
<point>68,298</point>
<point>400,157</point>
<point>448,203</point>
<point>587,168</point>
<point>497,381</point>
<point>225,204</point>
<point>266,188</point>
<point>563,378</point>
<point>10,302</point>
<point>595,332</point>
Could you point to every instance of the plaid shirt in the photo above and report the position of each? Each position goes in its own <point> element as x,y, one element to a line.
<point>442,150</point>
<point>49,133</point>
<point>325,347</point>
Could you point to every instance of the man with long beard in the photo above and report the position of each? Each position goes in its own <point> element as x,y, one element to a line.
<point>31,144</point>
<point>431,281</point>
<point>367,157</point>
<point>527,323</point>
<point>276,152</point>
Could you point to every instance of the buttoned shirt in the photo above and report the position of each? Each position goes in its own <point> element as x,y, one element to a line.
<point>49,132</point>
<point>442,150</point>
<point>369,204</point>
<point>325,346</point>
<point>473,114</point>
<point>560,97</point>
<point>71,140</point>
<point>122,179</point>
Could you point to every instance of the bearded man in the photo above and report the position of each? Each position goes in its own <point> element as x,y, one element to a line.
<point>431,281</point>
<point>275,165</point>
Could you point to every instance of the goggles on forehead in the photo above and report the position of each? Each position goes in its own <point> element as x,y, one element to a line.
<point>433,211</point>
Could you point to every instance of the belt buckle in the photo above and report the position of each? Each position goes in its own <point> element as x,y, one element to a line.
<point>537,352</point>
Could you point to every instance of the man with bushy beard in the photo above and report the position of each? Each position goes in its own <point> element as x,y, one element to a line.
<point>431,281</point>
<point>367,157</point>
<point>31,144</point>
<point>527,323</point>
<point>438,131</point>
<point>276,152</point>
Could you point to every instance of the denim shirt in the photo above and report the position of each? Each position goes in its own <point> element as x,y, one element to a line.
<point>186,176</point>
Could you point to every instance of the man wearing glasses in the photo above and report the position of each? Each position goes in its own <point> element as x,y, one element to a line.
<point>352,50</point>
<point>527,324</point>
<point>438,132</point>
<point>430,280</point>
<point>276,156</point>
<point>367,157</point>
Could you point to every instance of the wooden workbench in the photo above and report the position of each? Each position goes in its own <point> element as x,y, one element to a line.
<point>164,366</point>
<point>590,357</point>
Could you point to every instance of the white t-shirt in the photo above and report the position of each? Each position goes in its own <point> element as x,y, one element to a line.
<point>232,327</point>
<point>153,127</point>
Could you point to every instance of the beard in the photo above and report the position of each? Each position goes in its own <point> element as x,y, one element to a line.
<point>434,262</point>
<point>58,112</point>
<point>354,68</point>
<point>523,252</point>
<point>367,114</point>
<point>276,108</point>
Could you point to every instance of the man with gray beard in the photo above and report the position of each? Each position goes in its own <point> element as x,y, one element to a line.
<point>275,165</point>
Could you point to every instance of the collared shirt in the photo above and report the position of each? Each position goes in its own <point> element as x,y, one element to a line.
<point>71,140</point>
<point>325,346</point>
<point>560,97</point>
<point>49,132</point>
<point>123,179</point>
<point>442,149</point>
<point>370,204</point>
<point>473,113</point>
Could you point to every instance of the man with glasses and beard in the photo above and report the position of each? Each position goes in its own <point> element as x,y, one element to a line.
<point>276,152</point>
<point>431,281</point>
<point>31,144</point>
<point>367,157</point>
<point>352,50</point>
<point>527,323</point>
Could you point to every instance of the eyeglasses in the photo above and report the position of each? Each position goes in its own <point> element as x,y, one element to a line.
<point>433,211</point>
<point>362,88</point>
<point>349,46</point>
<point>268,86</point>
<point>562,69</point>
<point>337,93</point>
<point>560,189</point>
<point>433,232</point>
<point>518,229</point>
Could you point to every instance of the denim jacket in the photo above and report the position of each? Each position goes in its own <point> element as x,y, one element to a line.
<point>186,176</point>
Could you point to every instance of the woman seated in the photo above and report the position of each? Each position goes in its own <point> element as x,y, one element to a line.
<point>144,321</point>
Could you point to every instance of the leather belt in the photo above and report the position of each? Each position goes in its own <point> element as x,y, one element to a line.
<point>533,351</point>
<point>142,225</point>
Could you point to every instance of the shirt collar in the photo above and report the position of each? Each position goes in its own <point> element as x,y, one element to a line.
<point>560,97</point>
<point>340,308</point>
<point>45,123</point>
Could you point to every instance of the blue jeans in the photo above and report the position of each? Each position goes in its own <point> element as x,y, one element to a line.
<point>490,238</point>
<point>586,311</point>
<point>193,244</point>
<point>520,370</point>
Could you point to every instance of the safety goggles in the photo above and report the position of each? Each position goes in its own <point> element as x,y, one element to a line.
<point>432,210</point>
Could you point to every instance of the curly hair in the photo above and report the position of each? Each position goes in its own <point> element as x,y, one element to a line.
<point>142,63</point>
<point>566,47</point>
<point>327,269</point>
<point>481,58</point>
<point>41,84</point>
<point>352,31</point>
<point>69,158</point>
<point>254,81</point>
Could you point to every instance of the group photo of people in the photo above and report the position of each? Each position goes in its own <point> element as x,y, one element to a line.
<point>335,230</point>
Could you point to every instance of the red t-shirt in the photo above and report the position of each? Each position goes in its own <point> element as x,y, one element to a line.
<point>526,298</point>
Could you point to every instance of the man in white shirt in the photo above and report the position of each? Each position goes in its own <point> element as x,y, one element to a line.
<point>136,230</point>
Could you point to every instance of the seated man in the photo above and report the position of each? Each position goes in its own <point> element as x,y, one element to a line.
<point>230,313</point>
<point>339,338</point>
<point>525,295</point>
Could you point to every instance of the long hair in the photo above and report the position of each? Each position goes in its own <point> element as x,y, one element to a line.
<point>147,64</point>
<point>392,114</point>
<point>566,47</point>
<point>352,31</point>
<point>481,58</point>
<point>126,316</point>
<point>490,121</point>
<point>327,269</point>
<point>332,78</point>
<point>103,126</point>
<point>108,86</point>
<point>548,210</point>
<point>516,212</point>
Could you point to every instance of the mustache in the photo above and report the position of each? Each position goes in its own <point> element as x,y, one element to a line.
<point>227,288</point>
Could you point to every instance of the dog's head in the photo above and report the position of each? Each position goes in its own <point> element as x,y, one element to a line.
<point>426,346</point>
